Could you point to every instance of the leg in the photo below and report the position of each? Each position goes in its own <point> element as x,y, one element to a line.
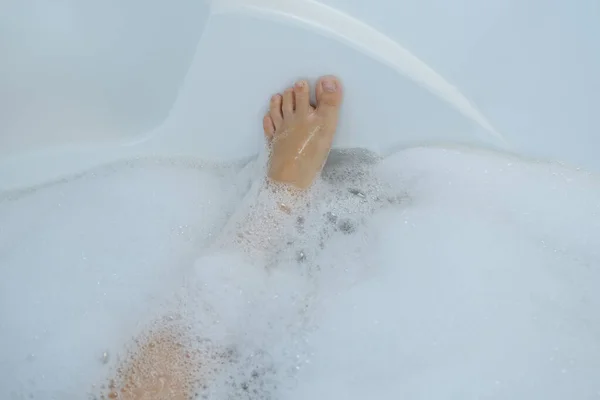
<point>300,138</point>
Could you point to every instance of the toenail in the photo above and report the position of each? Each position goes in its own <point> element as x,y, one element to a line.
<point>275,98</point>
<point>300,84</point>
<point>329,85</point>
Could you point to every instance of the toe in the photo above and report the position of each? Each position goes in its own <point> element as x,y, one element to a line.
<point>302,96</point>
<point>288,103</point>
<point>275,111</point>
<point>269,127</point>
<point>329,96</point>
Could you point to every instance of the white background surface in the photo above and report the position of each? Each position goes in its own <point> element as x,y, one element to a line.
<point>76,72</point>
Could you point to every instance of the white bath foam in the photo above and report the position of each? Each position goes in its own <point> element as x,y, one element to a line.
<point>96,262</point>
<point>260,313</point>
<point>253,318</point>
<point>487,287</point>
<point>88,263</point>
<point>404,284</point>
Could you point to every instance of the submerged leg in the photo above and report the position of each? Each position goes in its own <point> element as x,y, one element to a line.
<point>300,137</point>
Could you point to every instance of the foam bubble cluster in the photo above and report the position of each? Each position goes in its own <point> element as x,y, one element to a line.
<point>416,276</point>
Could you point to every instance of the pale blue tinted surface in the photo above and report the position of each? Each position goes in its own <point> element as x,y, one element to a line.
<point>530,66</point>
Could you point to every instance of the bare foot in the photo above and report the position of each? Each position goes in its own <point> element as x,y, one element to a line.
<point>299,134</point>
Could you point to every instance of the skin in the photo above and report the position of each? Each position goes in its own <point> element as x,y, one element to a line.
<point>300,137</point>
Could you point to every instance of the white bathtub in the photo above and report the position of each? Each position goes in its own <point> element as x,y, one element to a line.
<point>84,84</point>
<point>487,265</point>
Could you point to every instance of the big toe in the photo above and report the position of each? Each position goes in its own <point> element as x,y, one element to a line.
<point>329,96</point>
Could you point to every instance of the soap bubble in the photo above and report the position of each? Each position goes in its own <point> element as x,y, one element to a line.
<point>383,281</point>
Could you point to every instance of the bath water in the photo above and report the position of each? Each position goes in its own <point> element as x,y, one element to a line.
<point>430,274</point>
